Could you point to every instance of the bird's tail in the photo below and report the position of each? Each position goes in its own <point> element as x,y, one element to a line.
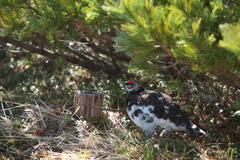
<point>197,130</point>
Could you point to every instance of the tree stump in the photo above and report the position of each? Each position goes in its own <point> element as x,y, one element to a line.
<point>88,104</point>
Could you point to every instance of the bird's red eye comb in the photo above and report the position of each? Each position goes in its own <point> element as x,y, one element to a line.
<point>130,81</point>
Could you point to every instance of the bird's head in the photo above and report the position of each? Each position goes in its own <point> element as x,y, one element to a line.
<point>133,86</point>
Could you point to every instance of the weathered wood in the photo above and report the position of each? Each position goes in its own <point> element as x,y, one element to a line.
<point>88,104</point>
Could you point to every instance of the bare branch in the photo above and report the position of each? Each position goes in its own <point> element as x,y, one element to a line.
<point>86,63</point>
<point>167,64</point>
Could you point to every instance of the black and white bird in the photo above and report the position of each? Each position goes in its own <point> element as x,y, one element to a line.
<point>150,109</point>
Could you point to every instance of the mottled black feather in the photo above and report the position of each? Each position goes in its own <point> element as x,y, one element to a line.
<point>145,106</point>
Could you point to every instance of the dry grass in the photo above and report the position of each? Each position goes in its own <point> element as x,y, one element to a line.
<point>34,131</point>
<point>51,131</point>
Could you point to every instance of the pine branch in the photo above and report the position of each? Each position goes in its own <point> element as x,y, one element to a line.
<point>90,64</point>
<point>81,25</point>
<point>31,8</point>
<point>113,54</point>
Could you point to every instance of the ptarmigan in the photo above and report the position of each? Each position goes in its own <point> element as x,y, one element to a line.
<point>149,109</point>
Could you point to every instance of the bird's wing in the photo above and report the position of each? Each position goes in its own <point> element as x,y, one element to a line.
<point>165,107</point>
<point>157,101</point>
<point>168,98</point>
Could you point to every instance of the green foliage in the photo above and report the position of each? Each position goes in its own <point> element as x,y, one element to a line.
<point>50,17</point>
<point>186,30</point>
<point>231,38</point>
<point>148,30</point>
<point>32,76</point>
<point>97,17</point>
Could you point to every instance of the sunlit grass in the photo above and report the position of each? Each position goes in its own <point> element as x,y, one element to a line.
<point>48,131</point>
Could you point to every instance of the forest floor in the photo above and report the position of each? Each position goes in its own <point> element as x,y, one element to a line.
<point>49,130</point>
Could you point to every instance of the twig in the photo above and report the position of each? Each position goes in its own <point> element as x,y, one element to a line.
<point>113,95</point>
<point>104,109</point>
<point>40,113</point>
<point>168,64</point>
